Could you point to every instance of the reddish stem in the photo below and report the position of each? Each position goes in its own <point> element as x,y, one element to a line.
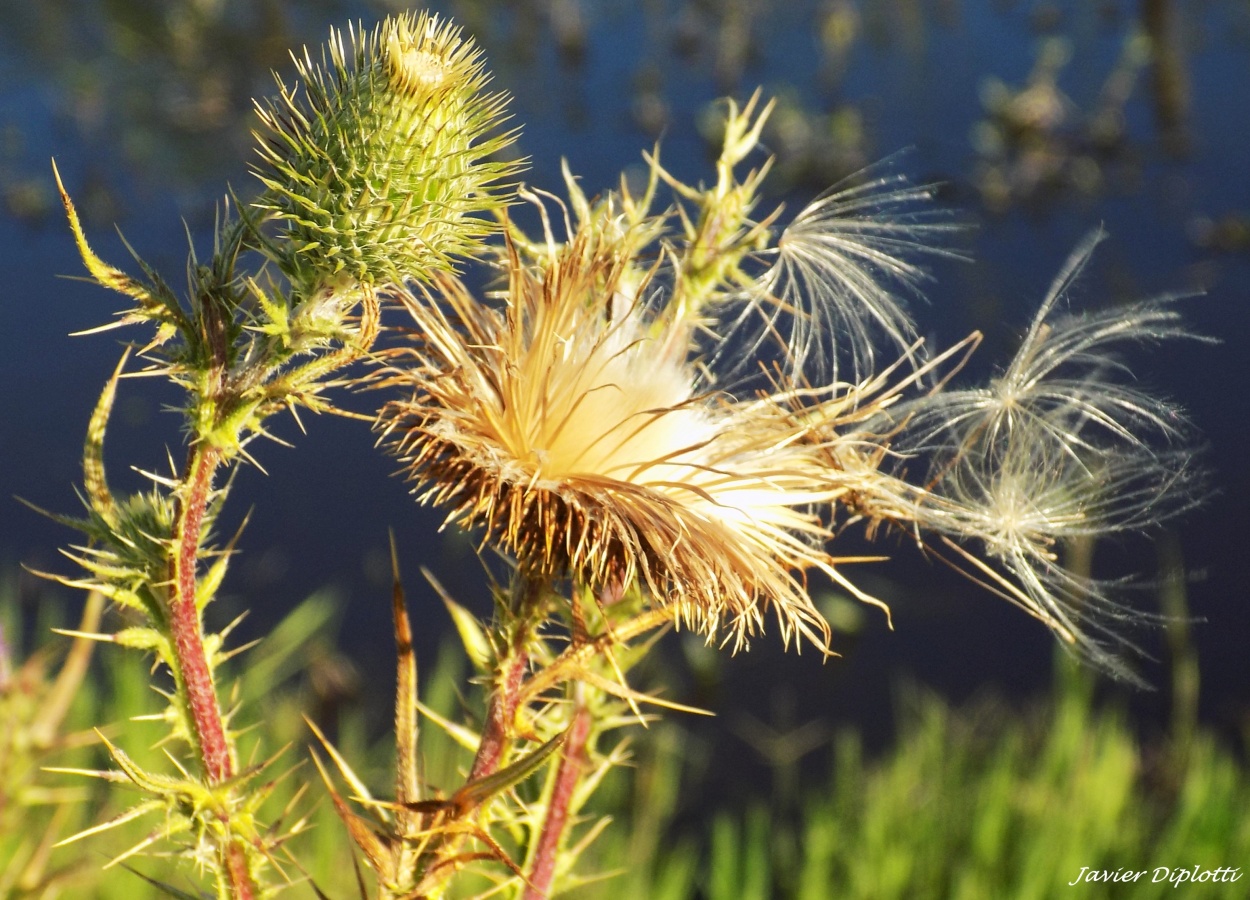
<point>501,710</point>
<point>500,714</point>
<point>184,623</point>
<point>208,728</point>
<point>240,877</point>
<point>570,772</point>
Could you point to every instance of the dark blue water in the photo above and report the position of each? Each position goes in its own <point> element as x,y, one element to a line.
<point>145,107</point>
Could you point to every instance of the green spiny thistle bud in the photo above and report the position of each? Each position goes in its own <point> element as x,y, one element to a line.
<point>378,171</point>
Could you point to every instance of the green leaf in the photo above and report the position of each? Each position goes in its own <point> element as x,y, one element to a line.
<point>475,792</point>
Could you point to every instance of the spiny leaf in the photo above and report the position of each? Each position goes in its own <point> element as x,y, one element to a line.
<point>407,783</point>
<point>140,638</point>
<point>101,271</point>
<point>163,307</point>
<point>206,587</point>
<point>577,657</point>
<point>119,595</point>
<point>476,792</point>
<point>93,474</point>
<point>134,812</point>
<point>607,685</point>
<point>493,852</point>
<point>357,786</point>
<point>476,644</point>
<point>173,825</point>
<point>156,784</point>
<point>377,850</point>
<point>163,886</point>
<point>103,774</point>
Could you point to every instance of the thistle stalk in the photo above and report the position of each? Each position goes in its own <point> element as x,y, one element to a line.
<point>500,716</point>
<point>524,614</point>
<point>569,774</point>
<point>191,660</point>
<point>499,728</point>
<point>191,663</point>
<point>242,886</point>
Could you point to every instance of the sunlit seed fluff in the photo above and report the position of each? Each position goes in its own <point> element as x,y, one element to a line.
<point>378,164</point>
<point>1065,380</point>
<point>1057,448</point>
<point>1027,508</point>
<point>578,444</point>
<point>833,290</point>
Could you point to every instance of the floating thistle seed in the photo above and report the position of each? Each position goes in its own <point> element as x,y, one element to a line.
<point>833,289</point>
<point>1058,448</point>
<point>378,162</point>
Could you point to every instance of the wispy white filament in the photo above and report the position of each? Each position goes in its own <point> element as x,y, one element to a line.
<point>832,295</point>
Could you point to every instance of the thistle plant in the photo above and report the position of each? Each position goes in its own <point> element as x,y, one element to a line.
<point>247,342</point>
<point>663,418</point>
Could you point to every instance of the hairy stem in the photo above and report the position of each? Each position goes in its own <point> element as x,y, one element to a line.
<point>498,729</point>
<point>207,728</point>
<point>543,871</point>
<point>194,673</point>
<point>500,716</point>
<point>241,886</point>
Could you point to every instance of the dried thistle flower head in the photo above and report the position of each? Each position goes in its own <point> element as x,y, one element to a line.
<point>378,162</point>
<point>582,444</point>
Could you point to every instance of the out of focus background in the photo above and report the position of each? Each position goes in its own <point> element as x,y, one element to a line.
<point>1042,120</point>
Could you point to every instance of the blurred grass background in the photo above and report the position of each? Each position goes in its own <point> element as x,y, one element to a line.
<point>987,798</point>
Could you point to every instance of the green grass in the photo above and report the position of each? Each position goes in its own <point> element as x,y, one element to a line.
<point>974,802</point>
<point>983,800</point>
